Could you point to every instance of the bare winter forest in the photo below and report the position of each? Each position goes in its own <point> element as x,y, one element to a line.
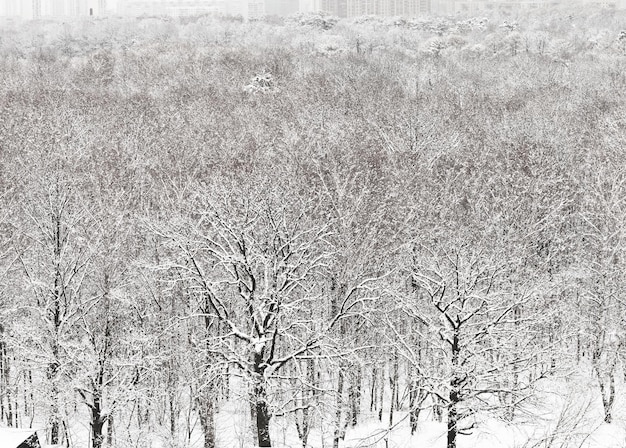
<point>312,232</point>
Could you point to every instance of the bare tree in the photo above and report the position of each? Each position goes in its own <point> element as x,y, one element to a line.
<point>252,259</point>
<point>464,297</point>
<point>601,263</point>
<point>55,264</point>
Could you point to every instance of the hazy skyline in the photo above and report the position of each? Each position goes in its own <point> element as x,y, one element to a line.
<point>256,8</point>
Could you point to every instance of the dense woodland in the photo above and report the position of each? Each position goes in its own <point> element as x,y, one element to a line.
<point>308,222</point>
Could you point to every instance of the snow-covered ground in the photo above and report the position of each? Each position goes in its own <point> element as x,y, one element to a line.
<point>566,413</point>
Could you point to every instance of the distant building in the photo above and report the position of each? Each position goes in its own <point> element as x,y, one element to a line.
<point>281,7</point>
<point>76,8</point>
<point>356,8</point>
<point>388,7</point>
<point>256,9</point>
<point>474,6</point>
<point>442,7</point>
<point>138,7</point>
<point>68,8</point>
<point>175,8</point>
<point>58,8</point>
<point>337,8</point>
<point>36,5</point>
<point>192,8</point>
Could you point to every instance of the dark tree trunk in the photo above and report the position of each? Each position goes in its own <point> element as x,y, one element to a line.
<point>173,407</point>
<point>225,382</point>
<point>381,394</point>
<point>510,414</point>
<point>55,313</point>
<point>55,424</point>
<point>260,408</point>
<point>355,395</point>
<point>97,436</point>
<point>338,293</point>
<point>455,390</point>
<point>416,398</point>
<point>206,411</point>
<point>98,420</point>
<point>605,371</point>
<point>452,423</point>
<point>337,436</point>
<point>10,420</point>
<point>262,416</point>
<point>373,388</point>
<point>608,396</point>
<point>207,399</point>
<point>4,380</point>
<point>393,382</point>
<point>110,430</point>
<point>414,413</point>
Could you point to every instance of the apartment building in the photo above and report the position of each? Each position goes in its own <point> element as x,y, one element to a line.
<point>337,8</point>
<point>36,9</point>
<point>474,6</point>
<point>256,9</point>
<point>388,7</point>
<point>174,8</point>
<point>356,8</point>
<point>281,7</point>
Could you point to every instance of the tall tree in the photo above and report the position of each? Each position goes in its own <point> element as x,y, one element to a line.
<point>252,258</point>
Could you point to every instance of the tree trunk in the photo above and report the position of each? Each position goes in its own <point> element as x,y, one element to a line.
<point>338,292</point>
<point>511,408</point>
<point>338,412</point>
<point>262,416</point>
<point>452,423</point>
<point>606,380</point>
<point>253,424</point>
<point>206,411</point>
<point>97,422</point>
<point>307,398</point>
<point>4,380</point>
<point>355,395</point>
<point>453,413</point>
<point>97,419</point>
<point>381,393</point>
<point>173,408</point>
<point>54,312</point>
<point>373,388</point>
<point>455,390</point>
<point>260,408</point>
<point>416,398</point>
<point>110,429</point>
<point>608,396</point>
<point>393,382</point>
<point>55,424</point>
<point>414,414</point>
<point>225,382</point>
<point>10,422</point>
<point>29,398</point>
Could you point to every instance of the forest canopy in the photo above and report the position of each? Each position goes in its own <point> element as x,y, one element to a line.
<point>308,223</point>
